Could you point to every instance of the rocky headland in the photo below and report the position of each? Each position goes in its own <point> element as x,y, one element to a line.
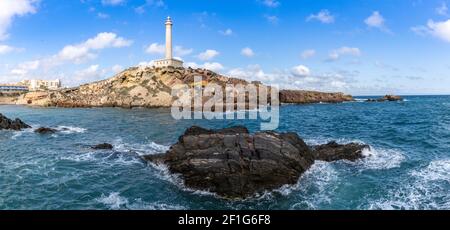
<point>151,87</point>
<point>236,164</point>
<point>386,98</point>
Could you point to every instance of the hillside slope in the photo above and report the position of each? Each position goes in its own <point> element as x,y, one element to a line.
<point>151,87</point>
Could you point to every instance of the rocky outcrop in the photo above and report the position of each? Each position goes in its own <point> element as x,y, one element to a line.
<point>104,146</point>
<point>386,98</point>
<point>236,164</point>
<point>307,97</point>
<point>17,124</point>
<point>334,151</point>
<point>45,130</point>
<point>152,87</point>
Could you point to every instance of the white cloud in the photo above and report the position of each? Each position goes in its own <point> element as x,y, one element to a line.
<point>149,3</point>
<point>156,48</point>
<point>213,66</point>
<point>117,69</point>
<point>442,10</point>
<point>89,74</point>
<point>5,49</point>
<point>351,51</point>
<point>300,71</point>
<point>247,52</point>
<point>271,3</point>
<point>272,19</point>
<point>323,16</point>
<point>439,30</point>
<point>9,9</point>
<point>227,32</point>
<point>113,2</point>
<point>208,55</point>
<point>376,20</point>
<point>102,15</point>
<point>180,51</point>
<point>23,68</point>
<point>308,53</point>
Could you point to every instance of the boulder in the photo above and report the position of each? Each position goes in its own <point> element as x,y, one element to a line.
<point>334,151</point>
<point>104,146</point>
<point>45,130</point>
<point>236,164</point>
<point>17,124</point>
<point>386,98</point>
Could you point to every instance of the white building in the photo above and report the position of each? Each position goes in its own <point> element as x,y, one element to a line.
<point>34,84</point>
<point>169,60</point>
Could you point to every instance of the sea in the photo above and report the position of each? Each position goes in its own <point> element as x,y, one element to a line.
<point>408,166</point>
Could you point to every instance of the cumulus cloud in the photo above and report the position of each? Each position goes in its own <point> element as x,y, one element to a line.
<point>180,51</point>
<point>442,9</point>
<point>156,48</point>
<point>271,3</point>
<point>227,32</point>
<point>213,66</point>
<point>272,19</point>
<point>77,53</point>
<point>9,9</point>
<point>89,74</point>
<point>344,51</point>
<point>300,71</point>
<point>376,20</point>
<point>113,2</point>
<point>5,49</point>
<point>208,55</point>
<point>247,52</point>
<point>323,16</point>
<point>117,69</point>
<point>308,53</point>
<point>439,30</point>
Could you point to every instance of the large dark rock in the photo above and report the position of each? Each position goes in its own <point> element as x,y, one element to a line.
<point>45,130</point>
<point>386,98</point>
<point>104,146</point>
<point>235,164</point>
<point>17,124</point>
<point>334,151</point>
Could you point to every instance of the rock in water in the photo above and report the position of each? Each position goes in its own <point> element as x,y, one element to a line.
<point>334,151</point>
<point>104,146</point>
<point>6,123</point>
<point>45,130</point>
<point>235,164</point>
<point>386,98</point>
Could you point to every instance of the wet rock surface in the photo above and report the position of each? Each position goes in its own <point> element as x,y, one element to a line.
<point>386,98</point>
<point>104,146</point>
<point>45,130</point>
<point>8,124</point>
<point>236,164</point>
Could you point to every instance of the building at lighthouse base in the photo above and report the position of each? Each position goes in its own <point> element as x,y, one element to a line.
<point>168,62</point>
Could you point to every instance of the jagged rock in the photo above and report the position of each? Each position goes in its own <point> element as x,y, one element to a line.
<point>334,151</point>
<point>386,98</point>
<point>104,146</point>
<point>45,130</point>
<point>307,97</point>
<point>17,124</point>
<point>236,164</point>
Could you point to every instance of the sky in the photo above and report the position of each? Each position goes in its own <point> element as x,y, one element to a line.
<point>360,47</point>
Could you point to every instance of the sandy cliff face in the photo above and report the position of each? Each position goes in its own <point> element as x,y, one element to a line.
<point>149,87</point>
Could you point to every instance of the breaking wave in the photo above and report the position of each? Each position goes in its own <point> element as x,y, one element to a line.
<point>115,201</point>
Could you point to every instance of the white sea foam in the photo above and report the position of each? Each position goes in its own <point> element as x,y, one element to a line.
<point>140,149</point>
<point>70,129</point>
<point>428,189</point>
<point>115,202</point>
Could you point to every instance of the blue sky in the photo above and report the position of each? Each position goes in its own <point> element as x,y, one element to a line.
<point>362,47</point>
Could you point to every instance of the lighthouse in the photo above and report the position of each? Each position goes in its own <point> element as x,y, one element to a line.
<point>169,60</point>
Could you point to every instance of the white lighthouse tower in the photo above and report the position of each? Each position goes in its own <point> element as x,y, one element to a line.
<point>169,60</point>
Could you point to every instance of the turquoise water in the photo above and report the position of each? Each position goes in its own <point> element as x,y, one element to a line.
<point>409,166</point>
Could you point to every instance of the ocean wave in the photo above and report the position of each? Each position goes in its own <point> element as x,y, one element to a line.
<point>115,201</point>
<point>140,149</point>
<point>427,190</point>
<point>108,158</point>
<point>70,129</point>
<point>375,157</point>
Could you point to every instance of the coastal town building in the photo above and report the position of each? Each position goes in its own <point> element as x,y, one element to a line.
<point>169,60</point>
<point>35,85</point>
